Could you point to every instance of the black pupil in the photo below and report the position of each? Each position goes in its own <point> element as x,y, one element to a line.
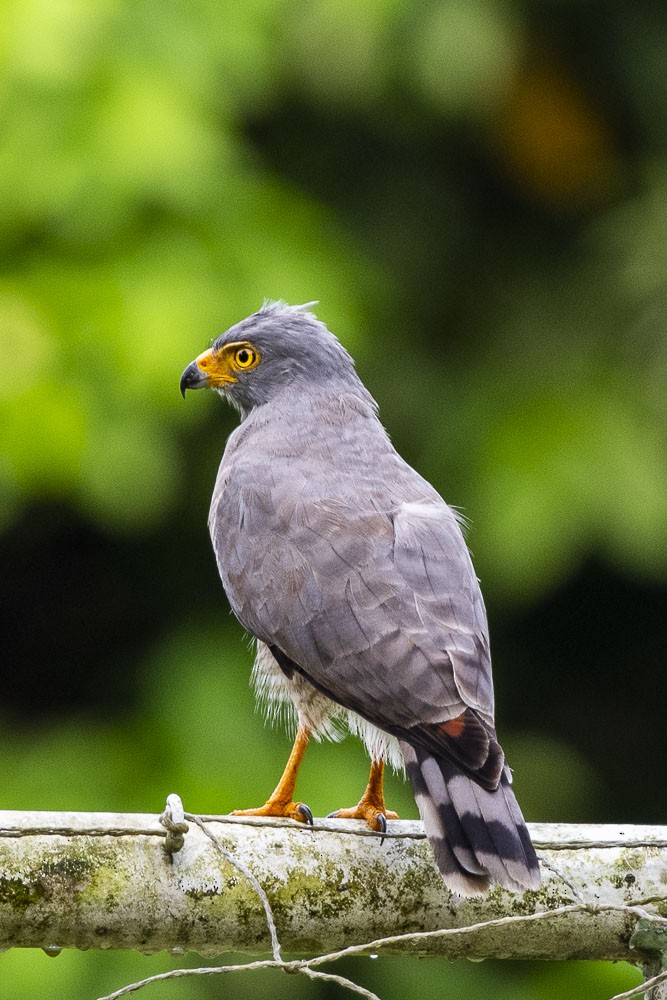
<point>244,357</point>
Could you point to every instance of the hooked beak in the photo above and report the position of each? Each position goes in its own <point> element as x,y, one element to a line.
<point>194,377</point>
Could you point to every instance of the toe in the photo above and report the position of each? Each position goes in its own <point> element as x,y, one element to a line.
<point>302,813</point>
<point>279,807</point>
<point>374,818</point>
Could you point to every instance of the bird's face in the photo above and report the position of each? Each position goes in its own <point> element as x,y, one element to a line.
<point>278,348</point>
<point>243,369</point>
<point>218,368</point>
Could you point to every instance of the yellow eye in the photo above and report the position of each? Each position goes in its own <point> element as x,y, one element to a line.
<point>245,357</point>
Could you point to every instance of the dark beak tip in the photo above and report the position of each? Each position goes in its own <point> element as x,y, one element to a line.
<point>190,378</point>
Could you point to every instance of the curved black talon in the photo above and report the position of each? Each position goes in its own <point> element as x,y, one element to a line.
<point>333,814</point>
<point>382,822</point>
<point>305,812</point>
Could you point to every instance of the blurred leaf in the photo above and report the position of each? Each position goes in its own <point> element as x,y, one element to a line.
<point>130,474</point>
<point>341,49</point>
<point>42,436</point>
<point>559,470</point>
<point>465,54</point>
<point>52,41</point>
<point>553,782</point>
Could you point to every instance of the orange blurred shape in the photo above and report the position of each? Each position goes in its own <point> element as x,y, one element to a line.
<point>553,142</point>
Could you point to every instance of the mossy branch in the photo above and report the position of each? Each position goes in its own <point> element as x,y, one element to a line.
<point>100,880</point>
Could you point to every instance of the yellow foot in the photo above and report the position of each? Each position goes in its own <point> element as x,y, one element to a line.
<point>374,813</point>
<point>276,807</point>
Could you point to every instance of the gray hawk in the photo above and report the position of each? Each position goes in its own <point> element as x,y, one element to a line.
<point>353,576</point>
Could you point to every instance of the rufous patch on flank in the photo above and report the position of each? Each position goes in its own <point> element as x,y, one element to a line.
<point>454,727</point>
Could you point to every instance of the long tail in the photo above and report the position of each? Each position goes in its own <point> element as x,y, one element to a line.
<point>478,837</point>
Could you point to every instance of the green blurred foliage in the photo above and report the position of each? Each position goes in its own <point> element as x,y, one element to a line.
<point>476,193</point>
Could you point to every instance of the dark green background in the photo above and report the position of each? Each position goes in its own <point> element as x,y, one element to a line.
<point>476,193</point>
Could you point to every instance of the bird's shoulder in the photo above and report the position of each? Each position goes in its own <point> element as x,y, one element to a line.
<point>323,449</point>
<point>327,471</point>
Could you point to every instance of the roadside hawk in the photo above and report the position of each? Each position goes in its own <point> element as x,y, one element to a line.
<point>353,576</point>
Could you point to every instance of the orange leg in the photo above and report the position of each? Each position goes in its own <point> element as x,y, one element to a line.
<point>371,805</point>
<point>281,801</point>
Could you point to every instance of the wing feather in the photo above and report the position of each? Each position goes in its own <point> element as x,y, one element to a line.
<point>377,608</point>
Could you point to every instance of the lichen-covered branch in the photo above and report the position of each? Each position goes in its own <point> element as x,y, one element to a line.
<point>100,880</point>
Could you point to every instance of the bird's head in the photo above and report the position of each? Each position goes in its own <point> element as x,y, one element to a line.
<point>277,348</point>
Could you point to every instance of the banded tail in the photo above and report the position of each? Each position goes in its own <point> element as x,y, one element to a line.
<point>478,836</point>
